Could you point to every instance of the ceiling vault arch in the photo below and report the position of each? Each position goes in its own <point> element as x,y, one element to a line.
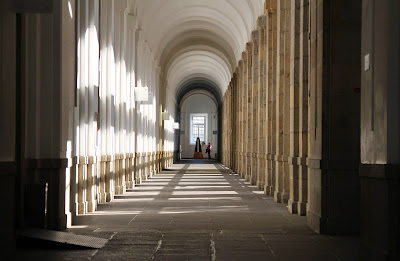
<point>197,43</point>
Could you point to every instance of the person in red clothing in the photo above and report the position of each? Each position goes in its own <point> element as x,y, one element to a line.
<point>209,147</point>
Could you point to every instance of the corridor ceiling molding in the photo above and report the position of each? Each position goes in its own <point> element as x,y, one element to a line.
<point>197,40</point>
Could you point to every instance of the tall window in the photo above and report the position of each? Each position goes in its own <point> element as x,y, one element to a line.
<point>198,124</point>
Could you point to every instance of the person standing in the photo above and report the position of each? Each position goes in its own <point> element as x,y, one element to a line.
<point>209,147</point>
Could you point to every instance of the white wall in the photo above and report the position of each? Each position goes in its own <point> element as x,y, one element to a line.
<point>198,103</point>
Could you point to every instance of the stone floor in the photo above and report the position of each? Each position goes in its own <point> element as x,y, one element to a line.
<point>198,210</point>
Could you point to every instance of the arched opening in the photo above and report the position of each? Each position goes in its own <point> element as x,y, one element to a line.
<point>198,116</point>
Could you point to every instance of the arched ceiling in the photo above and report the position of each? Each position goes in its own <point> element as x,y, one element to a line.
<point>197,43</point>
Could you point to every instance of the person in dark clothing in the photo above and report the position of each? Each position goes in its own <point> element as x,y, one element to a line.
<point>208,150</point>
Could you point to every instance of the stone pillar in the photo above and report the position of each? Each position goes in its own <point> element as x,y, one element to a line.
<point>286,103</point>
<point>254,108</point>
<point>249,111</point>
<point>380,131</point>
<point>271,6</point>
<point>41,142</point>
<point>8,110</point>
<point>281,193</point>
<point>303,106</point>
<point>334,116</point>
<point>139,110</point>
<point>88,53</point>
<point>131,104</point>
<point>93,94</point>
<point>262,101</point>
<point>120,95</point>
<point>245,115</point>
<point>240,118</point>
<point>294,159</point>
<point>107,100</point>
<point>82,49</point>
<point>235,121</point>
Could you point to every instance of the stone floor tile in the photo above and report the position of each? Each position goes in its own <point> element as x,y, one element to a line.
<point>201,212</point>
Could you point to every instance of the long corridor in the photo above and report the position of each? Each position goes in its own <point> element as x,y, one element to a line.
<point>199,210</point>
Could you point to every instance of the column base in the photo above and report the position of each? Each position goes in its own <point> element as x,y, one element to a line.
<point>380,196</point>
<point>301,208</point>
<point>118,190</point>
<point>102,197</point>
<point>316,222</point>
<point>269,190</point>
<point>68,219</point>
<point>281,197</point>
<point>109,196</point>
<point>266,188</point>
<point>292,206</point>
<point>82,207</point>
<point>91,206</point>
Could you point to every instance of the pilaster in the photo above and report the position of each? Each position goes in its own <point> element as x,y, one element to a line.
<point>271,94</point>
<point>262,101</point>
<point>255,108</point>
<point>249,111</point>
<point>294,107</point>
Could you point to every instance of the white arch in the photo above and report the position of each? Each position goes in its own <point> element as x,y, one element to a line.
<point>198,37</point>
<point>198,61</point>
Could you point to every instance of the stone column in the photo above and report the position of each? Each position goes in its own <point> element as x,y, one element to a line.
<point>40,54</point>
<point>223,106</point>
<point>271,6</point>
<point>249,111</point>
<point>234,120</point>
<point>107,102</point>
<point>103,103</point>
<point>120,95</point>
<point>230,123</point>
<point>262,101</point>
<point>286,104</point>
<point>93,96</point>
<point>281,193</point>
<point>140,109</point>
<point>380,130</point>
<point>244,113</point>
<point>303,106</point>
<point>123,105</point>
<point>254,108</point>
<point>294,159</point>
<point>8,110</point>
<point>334,116</point>
<point>240,118</point>
<point>82,108</point>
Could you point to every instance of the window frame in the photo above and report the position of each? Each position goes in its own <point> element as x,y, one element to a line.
<point>192,115</point>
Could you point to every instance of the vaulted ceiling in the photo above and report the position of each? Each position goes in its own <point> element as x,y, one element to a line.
<point>197,43</point>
